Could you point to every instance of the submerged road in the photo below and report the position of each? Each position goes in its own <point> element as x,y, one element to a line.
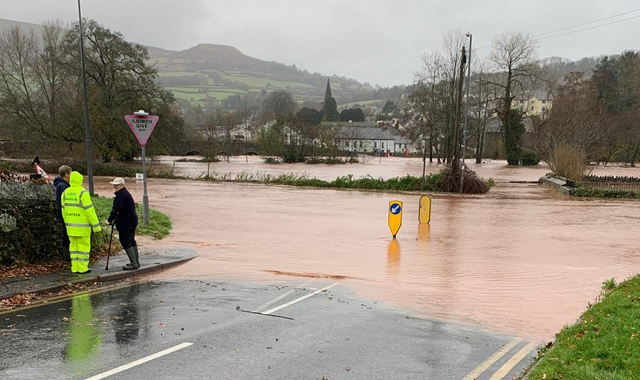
<point>307,329</point>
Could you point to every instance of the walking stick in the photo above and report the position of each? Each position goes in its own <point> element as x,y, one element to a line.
<point>109,251</point>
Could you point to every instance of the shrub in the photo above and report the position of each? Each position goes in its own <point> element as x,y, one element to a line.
<point>529,158</point>
<point>568,162</point>
<point>271,160</point>
<point>450,182</point>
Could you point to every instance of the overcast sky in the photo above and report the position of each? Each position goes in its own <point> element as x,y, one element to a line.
<point>379,41</point>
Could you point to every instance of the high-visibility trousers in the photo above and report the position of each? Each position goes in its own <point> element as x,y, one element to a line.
<point>79,249</point>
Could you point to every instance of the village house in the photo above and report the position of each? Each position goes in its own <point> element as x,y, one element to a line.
<point>536,103</point>
<point>369,138</point>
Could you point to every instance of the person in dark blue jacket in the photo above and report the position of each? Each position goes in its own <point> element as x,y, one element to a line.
<point>124,215</point>
<point>61,184</point>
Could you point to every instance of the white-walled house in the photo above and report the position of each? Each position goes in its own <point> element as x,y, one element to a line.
<point>366,139</point>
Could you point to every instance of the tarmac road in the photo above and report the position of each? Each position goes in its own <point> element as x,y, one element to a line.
<point>192,330</point>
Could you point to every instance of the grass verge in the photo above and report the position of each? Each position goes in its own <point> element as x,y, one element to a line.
<point>159,223</point>
<point>604,344</point>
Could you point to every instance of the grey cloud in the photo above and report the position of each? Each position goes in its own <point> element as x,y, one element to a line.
<point>379,41</point>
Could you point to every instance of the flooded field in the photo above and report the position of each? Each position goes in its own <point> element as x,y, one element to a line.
<point>521,259</point>
<point>374,166</point>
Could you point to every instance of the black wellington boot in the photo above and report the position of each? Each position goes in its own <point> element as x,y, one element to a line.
<point>136,263</point>
<point>132,257</point>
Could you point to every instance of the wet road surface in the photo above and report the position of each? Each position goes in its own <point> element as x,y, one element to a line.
<point>191,329</point>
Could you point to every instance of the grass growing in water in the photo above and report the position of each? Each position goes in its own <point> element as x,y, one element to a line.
<point>159,223</point>
<point>603,344</point>
<point>406,183</point>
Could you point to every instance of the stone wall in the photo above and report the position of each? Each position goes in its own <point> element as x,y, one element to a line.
<point>29,231</point>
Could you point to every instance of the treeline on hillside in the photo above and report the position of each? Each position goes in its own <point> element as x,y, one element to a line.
<point>41,97</point>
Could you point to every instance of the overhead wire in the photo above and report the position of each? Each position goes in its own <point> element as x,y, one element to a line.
<point>589,28</point>
<point>581,24</point>
<point>589,22</point>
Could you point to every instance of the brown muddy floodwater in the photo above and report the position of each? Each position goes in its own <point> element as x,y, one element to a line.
<point>521,260</point>
<point>377,167</point>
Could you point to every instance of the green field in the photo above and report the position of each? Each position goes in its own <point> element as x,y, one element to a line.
<point>177,74</point>
<point>220,95</point>
<point>183,89</point>
<point>193,93</point>
<point>364,103</point>
<point>262,82</point>
<point>190,96</point>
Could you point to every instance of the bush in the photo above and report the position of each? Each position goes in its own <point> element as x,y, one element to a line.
<point>271,160</point>
<point>450,182</point>
<point>529,158</point>
<point>568,162</point>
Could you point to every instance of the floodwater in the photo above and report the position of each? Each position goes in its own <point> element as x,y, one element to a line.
<point>522,259</point>
<point>374,166</point>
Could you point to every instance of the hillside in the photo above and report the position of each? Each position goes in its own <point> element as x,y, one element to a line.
<point>209,74</point>
<point>24,26</point>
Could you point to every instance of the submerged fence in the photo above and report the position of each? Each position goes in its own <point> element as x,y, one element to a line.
<point>630,186</point>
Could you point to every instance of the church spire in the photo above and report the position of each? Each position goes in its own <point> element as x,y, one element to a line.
<point>327,93</point>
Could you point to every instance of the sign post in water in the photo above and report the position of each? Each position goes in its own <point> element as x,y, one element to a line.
<point>142,124</point>
<point>395,217</point>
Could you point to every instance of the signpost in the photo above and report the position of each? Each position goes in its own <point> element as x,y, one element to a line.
<point>424,215</point>
<point>142,124</point>
<point>395,217</point>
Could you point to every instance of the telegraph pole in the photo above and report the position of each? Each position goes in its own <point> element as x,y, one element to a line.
<point>466,115</point>
<point>87,132</point>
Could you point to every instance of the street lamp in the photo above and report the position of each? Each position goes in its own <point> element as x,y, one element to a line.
<point>87,132</point>
<point>466,115</point>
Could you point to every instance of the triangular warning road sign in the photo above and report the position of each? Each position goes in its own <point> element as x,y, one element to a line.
<point>142,126</point>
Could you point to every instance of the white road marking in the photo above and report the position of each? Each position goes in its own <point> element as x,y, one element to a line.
<point>300,299</point>
<point>282,296</point>
<point>139,361</point>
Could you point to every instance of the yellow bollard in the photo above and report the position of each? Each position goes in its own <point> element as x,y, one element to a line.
<point>424,215</point>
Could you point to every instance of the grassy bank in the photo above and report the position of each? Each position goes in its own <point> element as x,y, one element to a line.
<point>604,344</point>
<point>159,223</point>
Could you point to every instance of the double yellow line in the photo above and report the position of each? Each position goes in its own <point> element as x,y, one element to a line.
<point>508,366</point>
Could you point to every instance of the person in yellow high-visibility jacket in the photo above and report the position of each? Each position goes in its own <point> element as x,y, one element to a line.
<point>80,219</point>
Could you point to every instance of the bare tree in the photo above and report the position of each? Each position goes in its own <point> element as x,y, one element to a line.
<point>35,93</point>
<point>279,104</point>
<point>513,56</point>
<point>434,96</point>
<point>577,120</point>
<point>483,100</point>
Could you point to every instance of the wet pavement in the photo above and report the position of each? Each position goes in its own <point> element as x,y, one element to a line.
<point>125,333</point>
<point>151,259</point>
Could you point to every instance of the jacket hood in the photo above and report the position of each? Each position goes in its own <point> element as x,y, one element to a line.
<point>76,179</point>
